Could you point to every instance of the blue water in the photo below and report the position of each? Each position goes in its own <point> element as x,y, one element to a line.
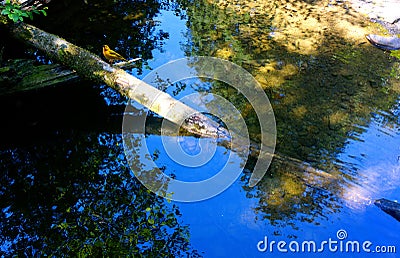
<point>229,224</point>
<point>235,223</point>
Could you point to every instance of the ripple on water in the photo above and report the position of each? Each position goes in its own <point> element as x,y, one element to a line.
<point>373,183</point>
<point>371,163</point>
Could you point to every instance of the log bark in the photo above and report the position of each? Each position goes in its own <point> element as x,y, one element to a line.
<point>24,74</point>
<point>92,67</point>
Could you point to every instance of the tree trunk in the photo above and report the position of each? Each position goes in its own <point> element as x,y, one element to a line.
<point>19,75</point>
<point>92,67</point>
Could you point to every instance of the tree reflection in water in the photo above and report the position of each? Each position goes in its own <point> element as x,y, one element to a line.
<point>75,196</point>
<point>322,83</point>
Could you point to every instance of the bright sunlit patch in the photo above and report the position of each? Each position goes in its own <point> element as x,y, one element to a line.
<point>373,183</point>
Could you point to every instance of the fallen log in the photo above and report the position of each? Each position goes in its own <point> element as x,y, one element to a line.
<point>92,67</point>
<point>20,75</point>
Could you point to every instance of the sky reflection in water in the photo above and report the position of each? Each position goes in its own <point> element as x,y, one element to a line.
<point>228,225</point>
<point>231,224</point>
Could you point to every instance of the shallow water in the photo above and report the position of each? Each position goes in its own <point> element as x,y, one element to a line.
<point>336,106</point>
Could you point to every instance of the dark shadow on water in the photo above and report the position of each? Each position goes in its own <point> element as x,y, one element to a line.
<point>65,186</point>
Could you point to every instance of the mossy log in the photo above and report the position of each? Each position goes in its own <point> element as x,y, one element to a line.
<point>23,75</point>
<point>19,75</point>
<point>91,67</point>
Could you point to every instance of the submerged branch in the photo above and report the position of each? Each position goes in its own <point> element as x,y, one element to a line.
<point>23,75</point>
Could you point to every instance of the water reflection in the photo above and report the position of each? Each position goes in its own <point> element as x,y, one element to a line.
<point>190,145</point>
<point>75,196</point>
<point>130,27</point>
<point>318,75</point>
<point>335,104</point>
<point>372,160</point>
<point>65,186</point>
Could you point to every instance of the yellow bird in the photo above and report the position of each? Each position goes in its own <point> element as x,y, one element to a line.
<point>111,55</point>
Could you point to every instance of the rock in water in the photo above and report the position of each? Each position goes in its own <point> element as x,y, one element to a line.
<point>385,43</point>
<point>392,27</point>
<point>390,207</point>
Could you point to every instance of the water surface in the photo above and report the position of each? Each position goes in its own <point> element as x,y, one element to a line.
<point>66,186</point>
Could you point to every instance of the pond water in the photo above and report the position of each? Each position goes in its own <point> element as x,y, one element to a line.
<point>67,188</point>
